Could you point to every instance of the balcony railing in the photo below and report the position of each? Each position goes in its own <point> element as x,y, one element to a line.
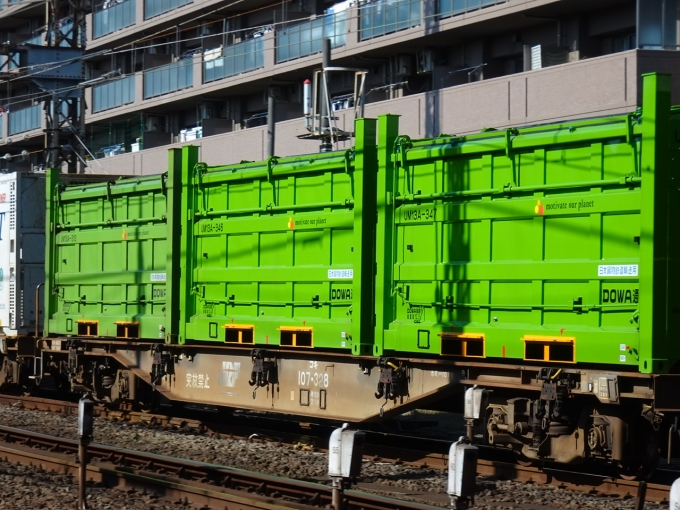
<point>453,7</point>
<point>112,94</point>
<point>307,38</point>
<point>26,119</point>
<point>386,16</point>
<point>113,16</point>
<point>154,8</point>
<point>236,59</point>
<point>169,78</point>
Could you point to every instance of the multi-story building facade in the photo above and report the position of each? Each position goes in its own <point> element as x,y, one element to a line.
<point>166,72</point>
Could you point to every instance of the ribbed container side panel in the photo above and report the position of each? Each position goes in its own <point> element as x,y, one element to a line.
<point>109,248</point>
<point>274,253</point>
<point>528,244</point>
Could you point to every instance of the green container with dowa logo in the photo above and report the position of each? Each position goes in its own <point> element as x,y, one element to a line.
<point>281,252</point>
<point>546,244</point>
<point>106,256</point>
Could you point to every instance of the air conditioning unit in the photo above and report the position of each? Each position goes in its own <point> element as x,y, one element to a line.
<point>546,56</point>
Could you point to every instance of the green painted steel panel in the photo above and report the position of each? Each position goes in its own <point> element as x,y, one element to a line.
<point>277,248</point>
<point>106,257</point>
<point>549,243</point>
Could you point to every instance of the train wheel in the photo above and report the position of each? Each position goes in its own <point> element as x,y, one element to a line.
<point>6,372</point>
<point>26,384</point>
<point>151,403</point>
<point>523,460</point>
<point>643,454</point>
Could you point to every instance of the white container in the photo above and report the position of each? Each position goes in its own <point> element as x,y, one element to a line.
<point>22,251</point>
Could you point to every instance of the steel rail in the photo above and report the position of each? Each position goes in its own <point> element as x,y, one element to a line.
<point>581,482</point>
<point>202,483</point>
<point>559,477</point>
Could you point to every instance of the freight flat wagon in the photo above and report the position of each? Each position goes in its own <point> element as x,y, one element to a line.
<point>537,262</point>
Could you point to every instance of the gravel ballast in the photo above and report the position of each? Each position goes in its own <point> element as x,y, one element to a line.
<point>28,488</point>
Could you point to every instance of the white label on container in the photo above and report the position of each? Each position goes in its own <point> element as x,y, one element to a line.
<point>158,277</point>
<point>341,274</point>
<point>623,347</point>
<point>618,270</point>
<point>622,358</point>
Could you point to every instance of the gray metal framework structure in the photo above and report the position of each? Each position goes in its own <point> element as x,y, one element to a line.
<point>57,70</point>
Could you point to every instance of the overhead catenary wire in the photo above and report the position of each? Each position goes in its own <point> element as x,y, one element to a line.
<point>117,50</point>
<point>50,66</point>
<point>5,5</point>
<point>38,69</point>
<point>56,64</point>
<point>162,31</point>
<point>152,36</point>
<point>41,68</point>
<point>129,47</point>
<point>23,153</point>
<point>156,35</point>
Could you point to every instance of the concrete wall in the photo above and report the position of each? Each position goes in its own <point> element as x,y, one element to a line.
<point>600,86</point>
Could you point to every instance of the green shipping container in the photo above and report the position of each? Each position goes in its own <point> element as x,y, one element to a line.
<point>281,252</point>
<point>106,257</point>
<point>550,244</point>
<point>546,244</point>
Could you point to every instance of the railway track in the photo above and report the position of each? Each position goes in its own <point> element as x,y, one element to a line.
<point>202,484</point>
<point>603,484</point>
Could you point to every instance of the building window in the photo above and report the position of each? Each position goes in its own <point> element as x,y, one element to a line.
<point>380,17</point>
